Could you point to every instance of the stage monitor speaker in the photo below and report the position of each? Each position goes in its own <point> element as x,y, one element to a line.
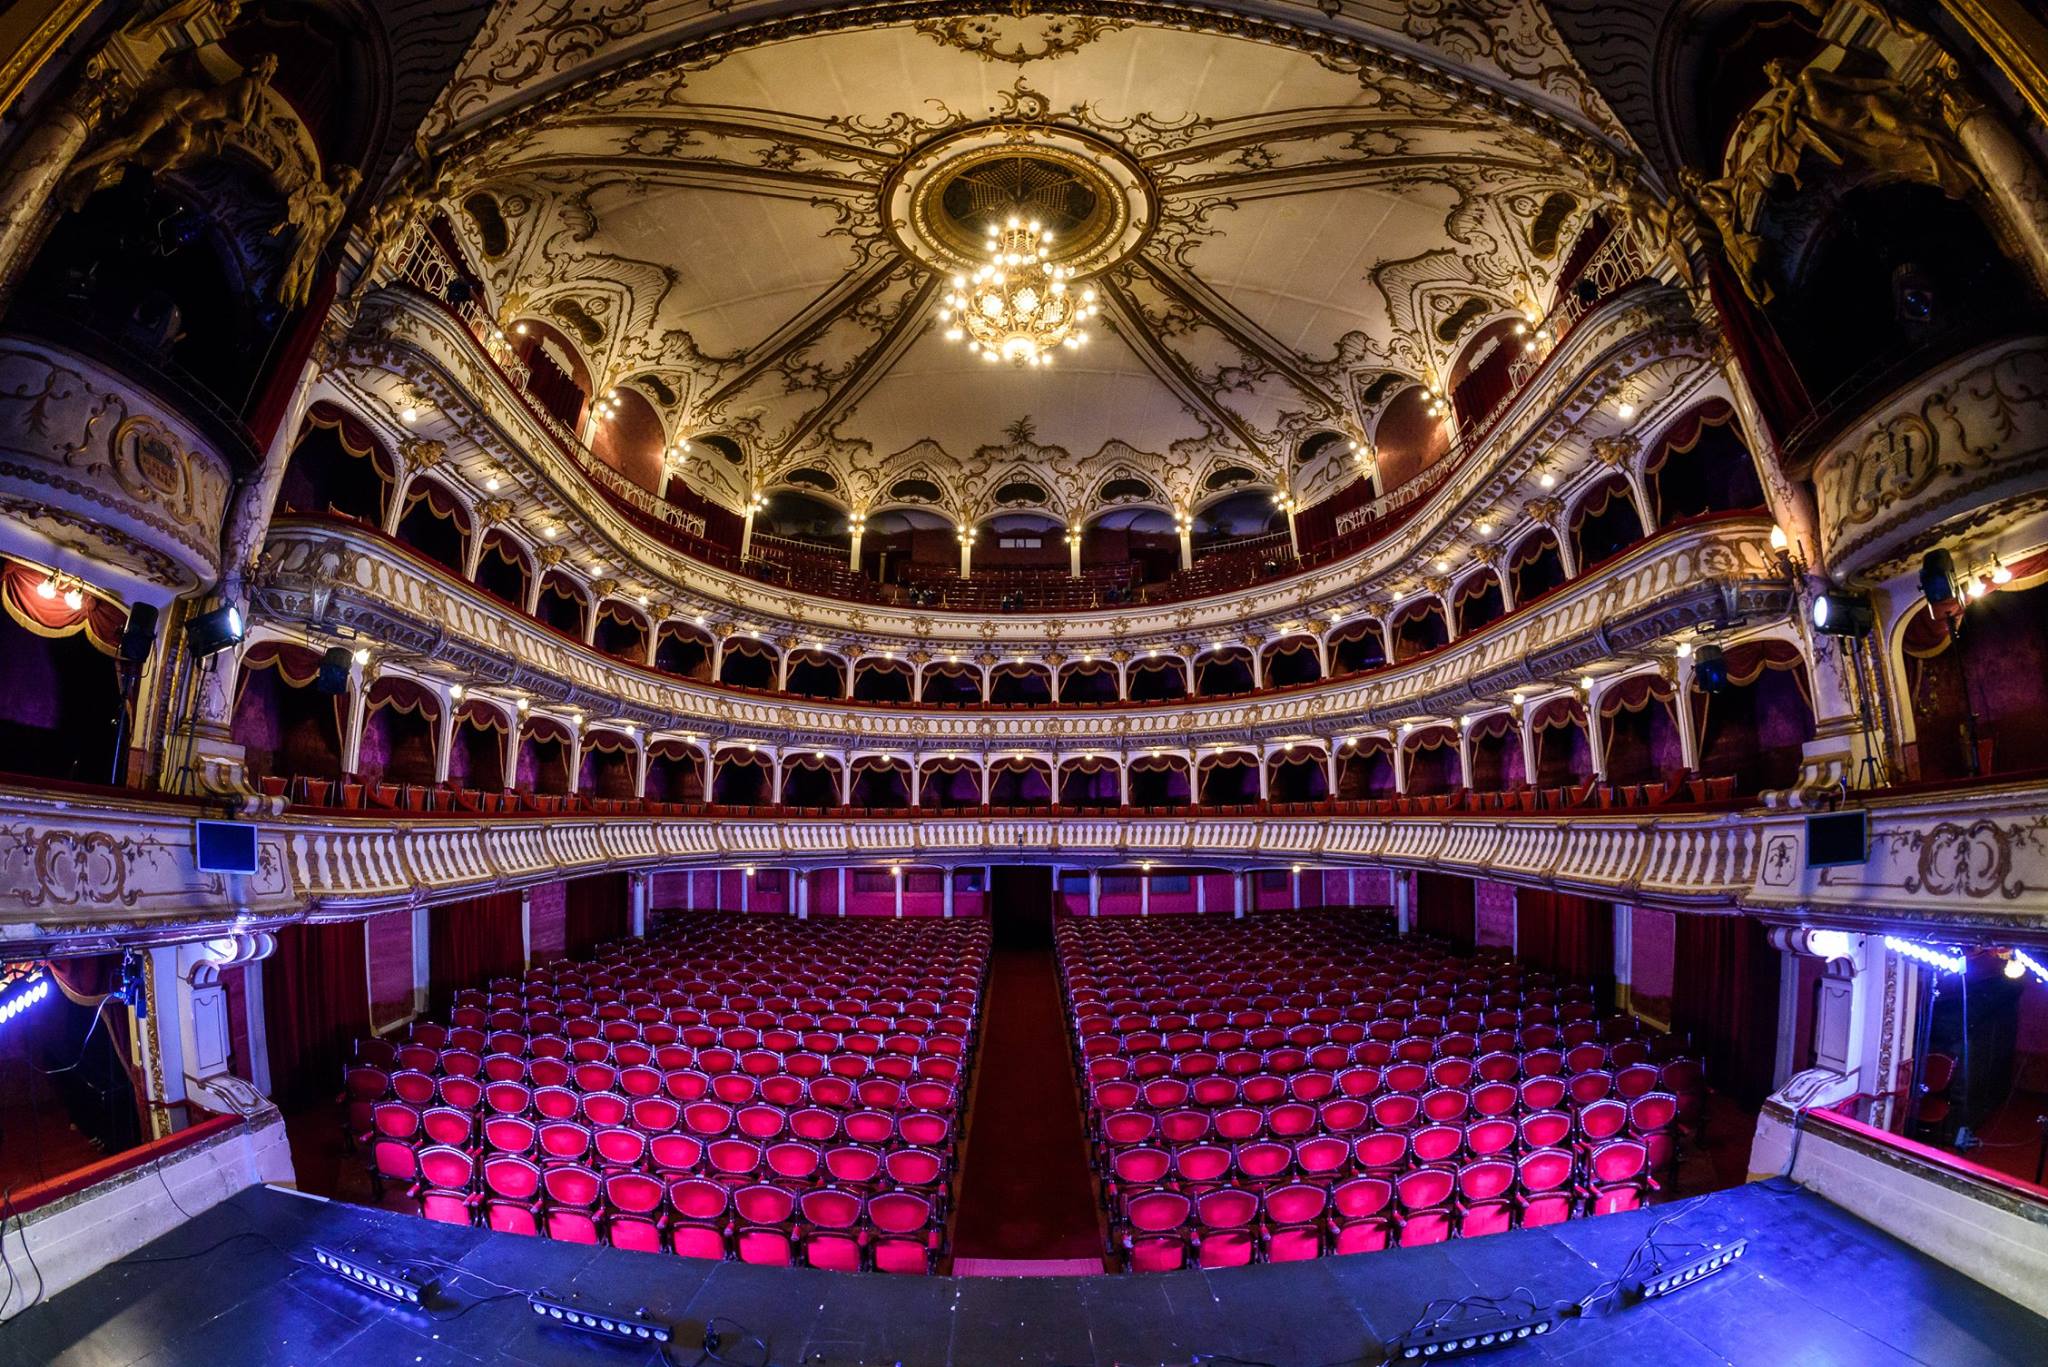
<point>1836,840</point>
<point>139,635</point>
<point>224,846</point>
<point>334,667</point>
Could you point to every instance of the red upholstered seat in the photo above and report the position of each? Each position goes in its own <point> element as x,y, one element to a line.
<point>1359,1215</point>
<point>1485,1200</point>
<point>1224,1227</point>
<point>1293,1228</point>
<point>1154,1231</point>
<point>1424,1215</point>
<point>830,1231</point>
<point>904,1237</point>
<point>1543,1187</point>
<point>699,1225</point>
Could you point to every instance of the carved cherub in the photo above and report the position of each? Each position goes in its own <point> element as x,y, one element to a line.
<point>315,209</point>
<point>170,128</point>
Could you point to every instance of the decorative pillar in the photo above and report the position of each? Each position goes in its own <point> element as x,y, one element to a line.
<point>802,880</point>
<point>1144,890</point>
<point>1387,638</point>
<point>1074,553</point>
<point>1123,782</point>
<point>1527,736</point>
<point>1184,530</point>
<point>642,761</point>
<point>1238,888</point>
<point>1401,763</point>
<point>1688,721</point>
<point>1465,754</point>
<point>190,1030</point>
<point>747,526</point>
<point>1265,779</point>
<point>852,666</point>
<point>897,870</point>
<point>917,789</point>
<point>842,889</point>
<point>946,875</point>
<point>984,781</point>
<point>444,739</point>
<point>1188,665</point>
<point>856,528</point>
<point>1201,892</point>
<point>352,731</point>
<point>965,537</point>
<point>1330,764</point>
<point>2012,179</point>
<point>575,757</point>
<point>746,886</point>
<point>1404,911</point>
<point>1596,737</point>
<point>1095,892</point>
<point>639,893</point>
<point>846,781</point>
<point>37,168</point>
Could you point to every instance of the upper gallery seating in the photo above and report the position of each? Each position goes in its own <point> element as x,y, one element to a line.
<point>759,1088</point>
<point>1292,1085</point>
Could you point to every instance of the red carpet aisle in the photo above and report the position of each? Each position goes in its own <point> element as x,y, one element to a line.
<point>1025,1191</point>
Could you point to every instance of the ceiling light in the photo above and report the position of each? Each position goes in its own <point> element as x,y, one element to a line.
<point>1625,409</point>
<point>74,597</point>
<point>1999,573</point>
<point>47,590</point>
<point>362,655</point>
<point>1547,480</point>
<point>1019,307</point>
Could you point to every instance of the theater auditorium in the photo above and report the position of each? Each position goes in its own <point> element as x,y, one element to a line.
<point>1124,683</point>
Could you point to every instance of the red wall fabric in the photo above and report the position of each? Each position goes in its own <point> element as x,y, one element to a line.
<point>1445,905</point>
<point>546,910</point>
<point>1725,996</point>
<point>594,913</point>
<point>1566,934</point>
<point>1493,915</point>
<point>390,953</point>
<point>316,1004</point>
<point>472,941</point>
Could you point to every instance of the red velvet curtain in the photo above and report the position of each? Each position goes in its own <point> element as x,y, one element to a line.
<point>1444,905</point>
<point>1725,997</point>
<point>472,941</point>
<point>316,1005</point>
<point>1566,934</point>
<point>595,913</point>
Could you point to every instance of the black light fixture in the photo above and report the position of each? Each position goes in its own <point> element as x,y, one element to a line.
<point>334,667</point>
<point>1488,1327</point>
<point>627,1326</point>
<point>1938,577</point>
<point>210,633</point>
<point>404,1286</point>
<point>1842,614</point>
<point>139,635</point>
<point>1709,668</point>
<point>1665,1278</point>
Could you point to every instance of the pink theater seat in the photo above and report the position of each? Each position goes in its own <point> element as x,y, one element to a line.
<point>1225,1233</point>
<point>1294,1220</point>
<point>1485,1199</point>
<point>700,1227</point>
<point>830,1232</point>
<point>1154,1231</point>
<point>1543,1192</point>
<point>903,1236</point>
<point>1424,1213</point>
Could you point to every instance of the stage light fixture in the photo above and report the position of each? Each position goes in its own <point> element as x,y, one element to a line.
<point>631,1326</point>
<point>1475,1333</point>
<point>1938,577</point>
<point>1946,961</point>
<point>210,633</point>
<point>2026,963</point>
<point>334,667</point>
<point>405,1287</point>
<point>1709,668</point>
<point>1842,614</point>
<point>27,993</point>
<point>140,633</point>
<point>1663,1279</point>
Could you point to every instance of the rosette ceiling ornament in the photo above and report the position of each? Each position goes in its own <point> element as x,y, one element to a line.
<point>760,234</point>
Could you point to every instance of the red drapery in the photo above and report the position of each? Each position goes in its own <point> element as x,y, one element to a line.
<point>595,913</point>
<point>1566,934</point>
<point>316,1004</point>
<point>101,619</point>
<point>1725,997</point>
<point>1444,905</point>
<point>472,941</point>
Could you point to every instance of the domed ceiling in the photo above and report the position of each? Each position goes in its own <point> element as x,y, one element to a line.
<point>755,225</point>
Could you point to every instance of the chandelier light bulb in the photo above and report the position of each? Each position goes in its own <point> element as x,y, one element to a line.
<point>73,598</point>
<point>47,589</point>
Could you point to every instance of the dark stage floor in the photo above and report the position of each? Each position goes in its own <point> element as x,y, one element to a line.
<point>1819,1287</point>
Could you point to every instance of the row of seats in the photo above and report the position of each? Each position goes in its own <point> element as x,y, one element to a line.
<point>1226,1064</point>
<point>806,1073</point>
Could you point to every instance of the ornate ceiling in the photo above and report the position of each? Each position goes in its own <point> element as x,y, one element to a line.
<point>751,223</point>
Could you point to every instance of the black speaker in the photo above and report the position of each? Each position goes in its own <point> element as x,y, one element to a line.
<point>334,667</point>
<point>139,635</point>
<point>1938,578</point>
<point>1710,668</point>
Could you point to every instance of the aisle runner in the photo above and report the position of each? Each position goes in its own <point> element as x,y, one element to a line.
<point>1025,1190</point>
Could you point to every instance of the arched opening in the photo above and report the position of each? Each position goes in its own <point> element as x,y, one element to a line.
<point>1293,661</point>
<point>561,604</point>
<point>476,748</point>
<point>395,757</point>
<point>1419,627</point>
<point>1407,440</point>
<point>1016,684</point>
<point>1536,566</point>
<point>1496,748</point>
<point>949,785</point>
<point>1221,673</point>
<point>1365,770</point>
<point>1482,380</point>
<point>1756,728</point>
<point>683,651</point>
<point>951,684</point>
<point>1564,753</point>
<point>1605,523</point>
<point>1230,780</point>
<point>743,778</point>
<point>1702,466</point>
<point>675,772</point>
<point>556,377</point>
<point>885,680</point>
<point>621,632</point>
<point>1639,736</point>
<point>747,663</point>
<point>1090,783</point>
<point>1018,782</point>
<point>1297,774</point>
<point>1158,678</point>
<point>1126,547</point>
<point>62,700</point>
<point>814,674</point>
<point>1090,681</point>
<point>336,469</point>
<point>502,570</point>
<point>810,782</point>
<point>792,515</point>
<point>1357,646</point>
<point>544,746</point>
<point>1479,601</point>
<point>610,766</point>
<point>1434,768</point>
<point>435,524</point>
<point>631,440</point>
<point>1986,679</point>
<point>290,732</point>
<point>1159,781</point>
<point>881,784</point>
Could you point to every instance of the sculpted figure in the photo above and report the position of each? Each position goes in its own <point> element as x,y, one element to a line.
<point>1717,201</point>
<point>169,128</point>
<point>315,210</point>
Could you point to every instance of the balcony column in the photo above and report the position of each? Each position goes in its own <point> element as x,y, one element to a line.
<point>2012,179</point>
<point>352,729</point>
<point>642,762</point>
<point>965,536</point>
<point>1688,722</point>
<point>1144,891</point>
<point>575,758</point>
<point>511,774</point>
<point>897,879</point>
<point>718,654</point>
<point>444,739</point>
<point>1239,888</point>
<point>782,671</point>
<point>1201,892</point>
<point>1188,665</point>
<point>1053,670</point>
<point>916,782</point>
<point>1527,735</point>
<point>1123,680</point>
<point>802,880</point>
<point>1404,902</point>
<point>1596,737</point>
<point>987,680</point>
<point>1258,663</point>
<point>984,782</point>
<point>917,677</point>
<point>846,782</point>
<point>1095,892</point>
<point>946,883</point>
<point>1074,553</point>
<point>1401,763</point>
<point>1322,640</point>
<point>187,1038</point>
<point>590,613</point>
<point>1330,765</point>
<point>710,774</point>
<point>639,894</point>
<point>851,666</point>
<point>1123,782</point>
<point>1184,527</point>
<point>653,642</point>
<point>853,546</point>
<point>775,778</point>
<point>747,527</point>
<point>1265,778</point>
<point>37,169</point>
<point>1387,639</point>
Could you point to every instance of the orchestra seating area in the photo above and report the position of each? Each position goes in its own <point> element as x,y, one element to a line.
<point>1305,1084</point>
<point>749,1087</point>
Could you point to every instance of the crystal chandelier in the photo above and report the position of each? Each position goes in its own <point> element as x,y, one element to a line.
<point>1020,306</point>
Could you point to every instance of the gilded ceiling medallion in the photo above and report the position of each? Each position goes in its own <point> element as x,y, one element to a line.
<point>943,199</point>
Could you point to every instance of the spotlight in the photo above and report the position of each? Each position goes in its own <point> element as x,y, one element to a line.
<point>407,1288</point>
<point>2025,963</point>
<point>632,1326</point>
<point>334,666</point>
<point>1842,614</point>
<point>35,989</point>
<point>1709,668</point>
<point>1938,578</point>
<point>1475,1333</point>
<point>1951,961</point>
<point>210,633</point>
<point>1663,1279</point>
